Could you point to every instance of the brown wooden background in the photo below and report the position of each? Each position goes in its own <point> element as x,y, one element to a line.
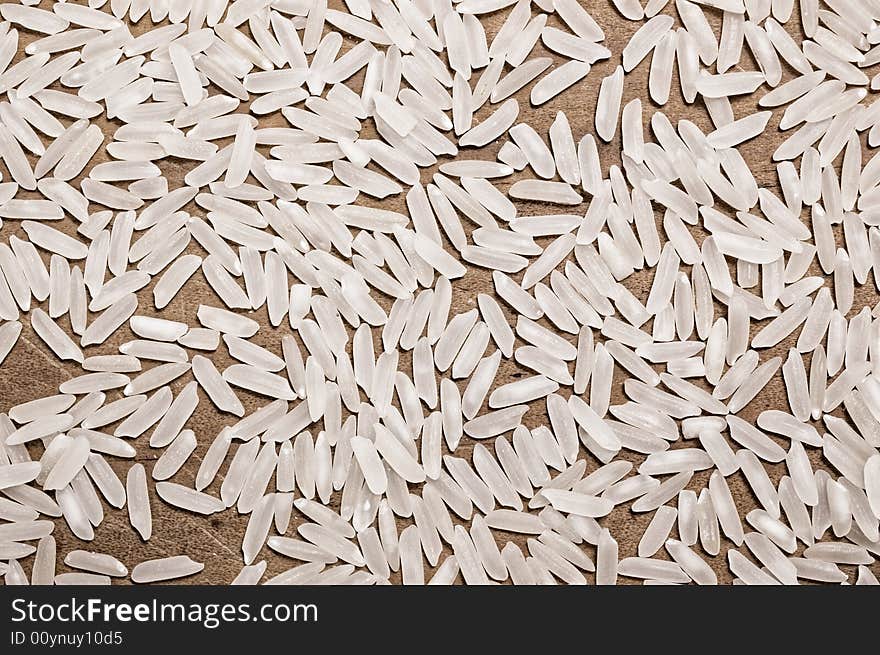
<point>31,370</point>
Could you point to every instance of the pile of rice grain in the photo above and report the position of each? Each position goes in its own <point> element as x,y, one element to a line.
<point>352,293</point>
